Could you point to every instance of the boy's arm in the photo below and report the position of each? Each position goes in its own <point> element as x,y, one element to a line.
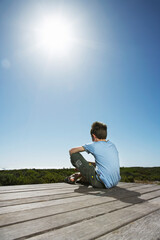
<point>76,150</point>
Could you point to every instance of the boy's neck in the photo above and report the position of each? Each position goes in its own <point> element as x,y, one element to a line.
<point>98,140</point>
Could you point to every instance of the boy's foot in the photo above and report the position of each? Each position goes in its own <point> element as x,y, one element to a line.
<point>76,178</point>
<point>70,180</point>
<point>73,178</point>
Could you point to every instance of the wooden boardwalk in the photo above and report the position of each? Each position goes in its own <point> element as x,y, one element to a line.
<point>129,211</point>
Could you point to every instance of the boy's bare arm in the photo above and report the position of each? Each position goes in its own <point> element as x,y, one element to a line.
<point>76,150</point>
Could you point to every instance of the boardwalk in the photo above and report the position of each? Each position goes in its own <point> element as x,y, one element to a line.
<point>61,211</point>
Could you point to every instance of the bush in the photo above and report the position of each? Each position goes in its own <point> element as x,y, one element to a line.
<point>36,176</point>
<point>33,176</point>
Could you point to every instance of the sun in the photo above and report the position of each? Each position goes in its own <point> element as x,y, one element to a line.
<point>54,35</point>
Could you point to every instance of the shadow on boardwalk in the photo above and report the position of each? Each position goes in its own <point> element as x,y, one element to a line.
<point>118,193</point>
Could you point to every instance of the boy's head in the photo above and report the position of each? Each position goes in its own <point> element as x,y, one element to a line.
<point>99,130</point>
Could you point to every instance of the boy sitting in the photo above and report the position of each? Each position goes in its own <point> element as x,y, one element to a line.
<point>107,171</point>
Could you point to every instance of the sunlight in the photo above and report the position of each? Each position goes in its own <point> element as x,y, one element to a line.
<point>54,36</point>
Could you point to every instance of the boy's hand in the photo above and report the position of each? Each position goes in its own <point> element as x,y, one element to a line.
<point>76,150</point>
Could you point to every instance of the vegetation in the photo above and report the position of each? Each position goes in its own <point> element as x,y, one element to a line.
<point>35,176</point>
<point>140,174</point>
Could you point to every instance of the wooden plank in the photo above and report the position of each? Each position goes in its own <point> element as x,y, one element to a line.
<point>50,185</point>
<point>40,212</point>
<point>28,198</point>
<point>54,209</point>
<point>41,192</point>
<point>18,195</point>
<point>99,225</point>
<point>60,220</point>
<point>116,193</point>
<point>31,186</point>
<point>44,204</point>
<point>144,186</point>
<point>67,186</point>
<point>147,227</point>
<point>150,187</point>
<point>155,201</point>
<point>150,195</point>
<point>112,194</point>
<point>38,199</point>
<point>22,188</point>
<point>118,190</point>
<point>22,216</point>
<point>125,184</point>
<point>31,192</point>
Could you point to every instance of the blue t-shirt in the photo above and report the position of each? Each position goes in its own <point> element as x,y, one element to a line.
<point>107,161</point>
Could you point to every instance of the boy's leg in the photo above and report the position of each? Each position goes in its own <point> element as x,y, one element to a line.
<point>86,169</point>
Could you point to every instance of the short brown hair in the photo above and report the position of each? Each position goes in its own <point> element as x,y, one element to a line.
<point>99,130</point>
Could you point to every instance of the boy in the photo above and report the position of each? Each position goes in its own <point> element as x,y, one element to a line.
<point>107,171</point>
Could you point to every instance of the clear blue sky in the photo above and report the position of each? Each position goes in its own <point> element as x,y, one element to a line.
<point>110,73</point>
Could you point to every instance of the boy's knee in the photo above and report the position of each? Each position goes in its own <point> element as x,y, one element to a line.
<point>75,160</point>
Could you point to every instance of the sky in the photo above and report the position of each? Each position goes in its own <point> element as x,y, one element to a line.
<point>65,64</point>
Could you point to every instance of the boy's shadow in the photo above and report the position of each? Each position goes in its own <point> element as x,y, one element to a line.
<point>121,194</point>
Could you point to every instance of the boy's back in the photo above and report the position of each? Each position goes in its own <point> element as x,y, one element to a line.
<point>107,161</point>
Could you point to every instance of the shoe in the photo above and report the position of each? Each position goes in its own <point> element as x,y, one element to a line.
<point>68,180</point>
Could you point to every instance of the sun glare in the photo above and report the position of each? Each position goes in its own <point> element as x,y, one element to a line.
<point>54,36</point>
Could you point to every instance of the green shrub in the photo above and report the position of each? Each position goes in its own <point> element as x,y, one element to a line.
<point>36,176</point>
